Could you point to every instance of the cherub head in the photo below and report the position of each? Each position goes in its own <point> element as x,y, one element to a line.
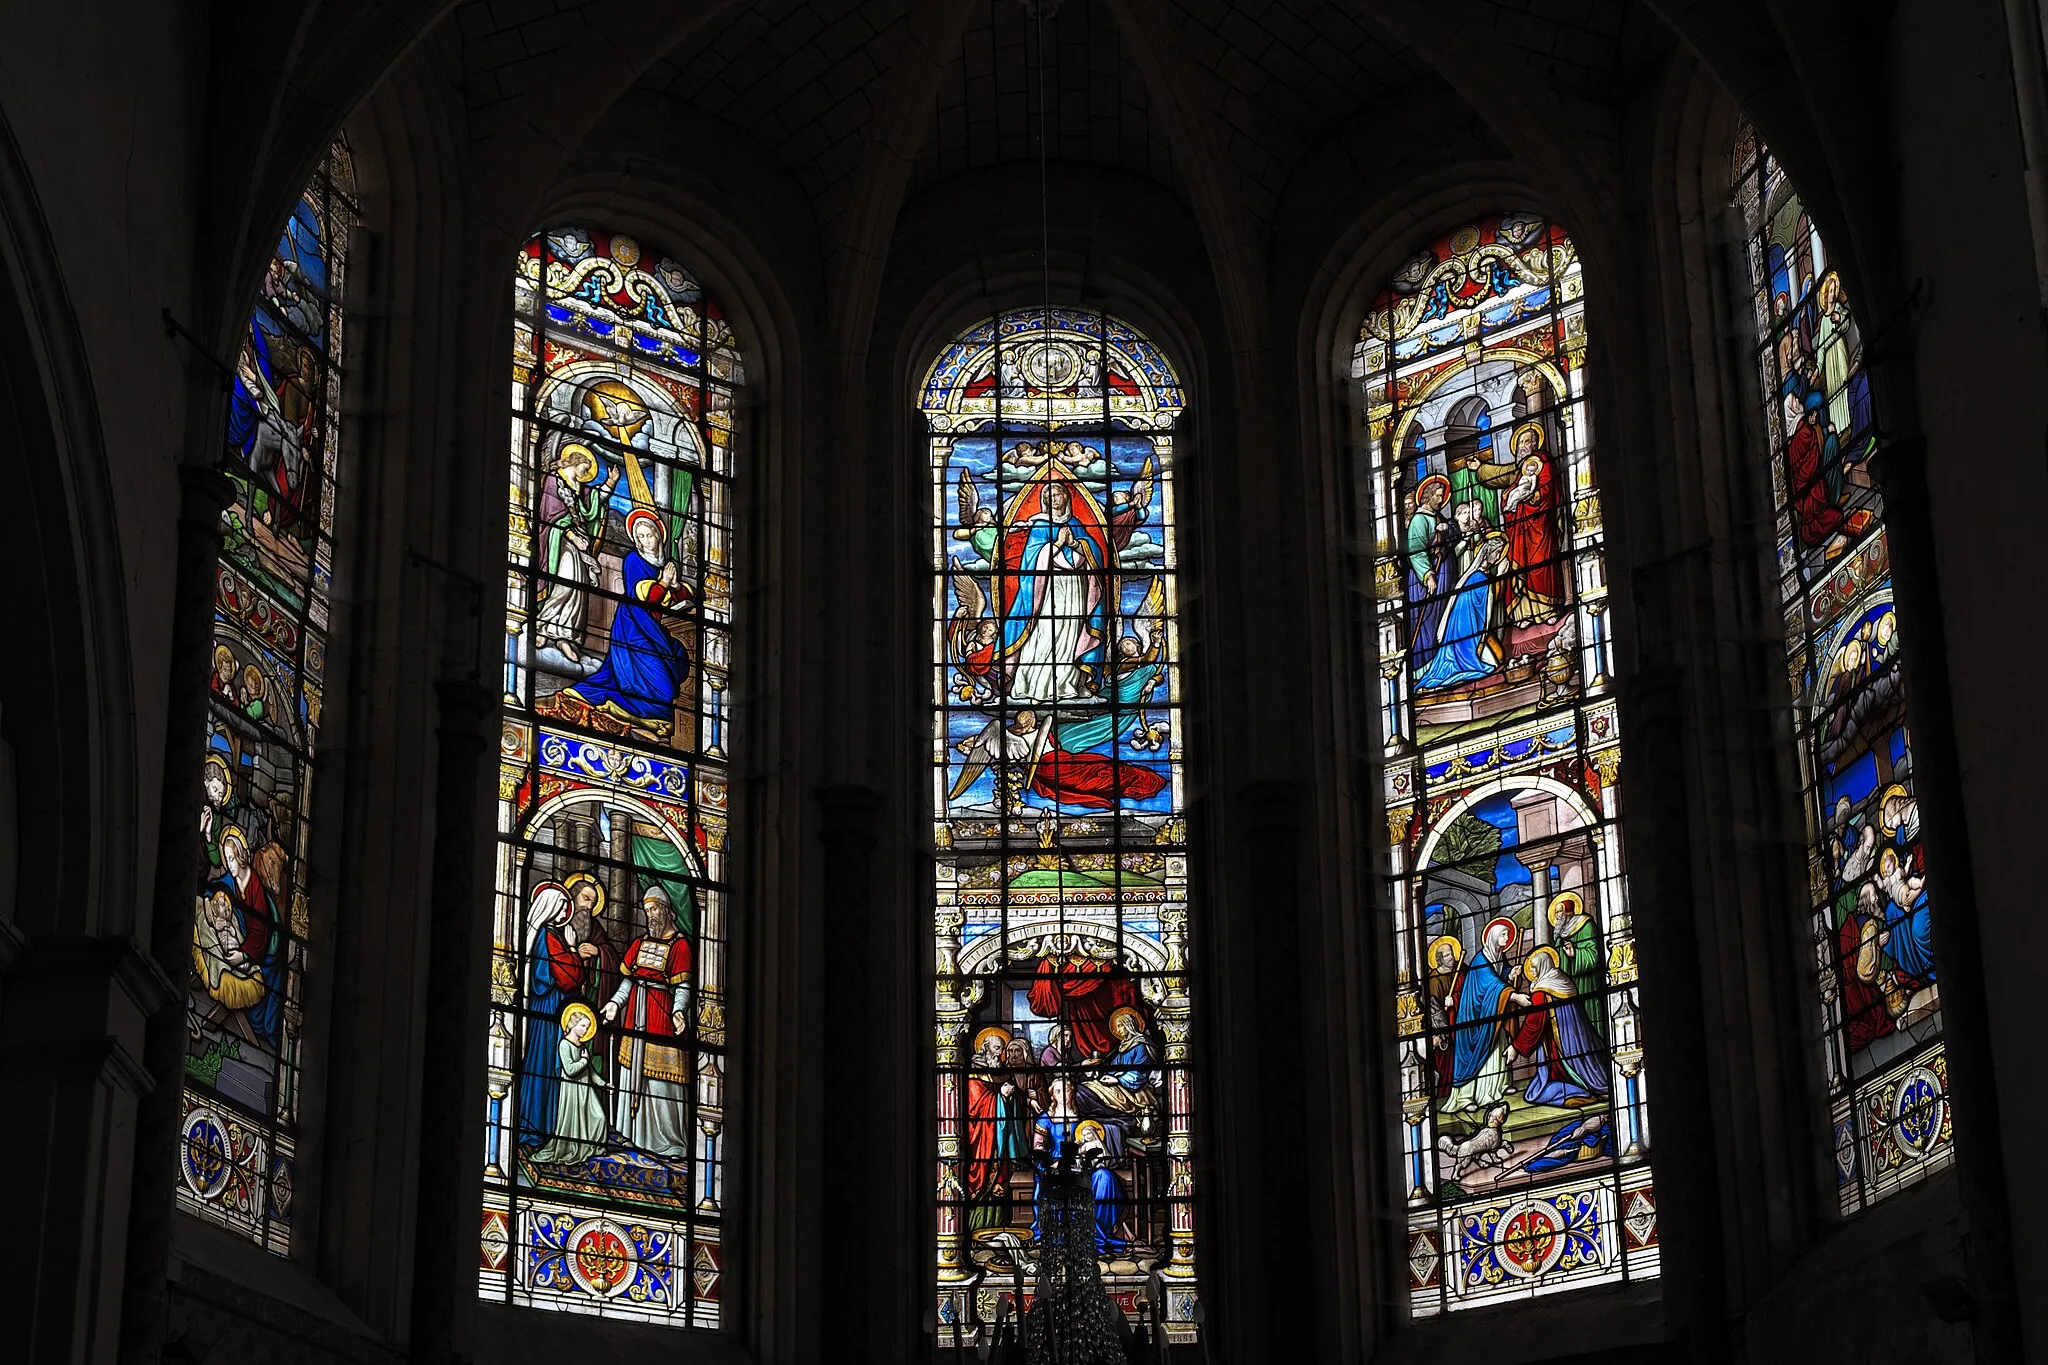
<point>984,516</point>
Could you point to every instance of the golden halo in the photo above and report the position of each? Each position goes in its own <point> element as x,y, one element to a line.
<point>1558,903</point>
<point>234,832</point>
<point>222,652</point>
<point>1896,791</point>
<point>1529,963</point>
<point>981,1038</point>
<point>1515,441</point>
<point>1082,1133</point>
<point>576,879</point>
<point>1457,948</point>
<point>576,453</point>
<point>1135,1017</point>
<point>216,761</point>
<point>575,1009</point>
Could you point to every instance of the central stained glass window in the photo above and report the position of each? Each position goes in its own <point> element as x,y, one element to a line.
<point>1058,797</point>
<point>604,1176</point>
<point>1524,1128</point>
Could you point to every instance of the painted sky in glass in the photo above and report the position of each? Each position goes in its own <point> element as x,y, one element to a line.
<point>1058,796</point>
<point>251,917</point>
<point>1524,1126</point>
<point>604,1179</point>
<point>1869,909</point>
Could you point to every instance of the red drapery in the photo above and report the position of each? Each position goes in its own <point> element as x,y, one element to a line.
<point>1082,994</point>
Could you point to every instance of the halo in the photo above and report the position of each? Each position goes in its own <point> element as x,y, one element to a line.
<point>1544,951</point>
<point>981,1038</point>
<point>222,652</point>
<point>574,1009</point>
<point>1558,903</point>
<point>543,888</point>
<point>1515,440</point>
<point>1514,931</point>
<point>576,879</point>
<point>1457,948</point>
<point>639,514</point>
<point>579,453</point>
<point>216,761</point>
<point>1126,1010</point>
<point>1896,791</point>
<point>234,832</point>
<point>1437,480</point>
<point>1081,1134</point>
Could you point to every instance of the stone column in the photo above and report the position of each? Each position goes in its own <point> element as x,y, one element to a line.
<point>1958,935</point>
<point>446,1219</point>
<point>1273,818</point>
<point>1658,825</point>
<point>848,824</point>
<point>204,494</point>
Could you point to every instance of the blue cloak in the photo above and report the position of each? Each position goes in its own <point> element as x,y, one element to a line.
<point>1468,649</point>
<point>645,667</point>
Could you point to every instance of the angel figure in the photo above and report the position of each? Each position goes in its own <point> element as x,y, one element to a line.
<point>1020,744</point>
<point>1130,506</point>
<point>977,522</point>
<point>971,637</point>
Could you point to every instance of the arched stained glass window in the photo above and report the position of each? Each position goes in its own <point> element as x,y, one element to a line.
<point>1524,1124</point>
<point>604,1180</point>
<point>1870,912</point>
<point>252,918</point>
<point>1058,800</point>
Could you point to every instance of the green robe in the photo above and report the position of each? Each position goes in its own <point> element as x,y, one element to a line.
<point>579,1112</point>
<point>1578,952</point>
<point>1482,485</point>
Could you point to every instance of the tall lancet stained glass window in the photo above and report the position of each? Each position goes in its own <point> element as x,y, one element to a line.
<point>604,1178</point>
<point>1869,909</point>
<point>1524,1127</point>
<point>251,916</point>
<point>1058,799</point>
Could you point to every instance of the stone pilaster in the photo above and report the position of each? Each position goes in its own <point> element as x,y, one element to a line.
<point>204,496</point>
<point>446,1220</point>
<point>1958,932</point>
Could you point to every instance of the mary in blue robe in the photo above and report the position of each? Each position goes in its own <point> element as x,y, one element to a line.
<point>644,667</point>
<point>1469,646</point>
<point>1060,1137</point>
<point>1482,994</point>
<point>1908,918</point>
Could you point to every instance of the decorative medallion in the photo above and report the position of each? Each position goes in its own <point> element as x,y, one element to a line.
<point>205,1165</point>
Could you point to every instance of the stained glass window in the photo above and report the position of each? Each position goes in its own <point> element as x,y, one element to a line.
<point>604,1177</point>
<point>1524,1126</point>
<point>1058,798</point>
<point>251,916</point>
<point>1870,914</point>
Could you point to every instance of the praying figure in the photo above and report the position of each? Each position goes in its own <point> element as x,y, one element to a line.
<point>579,1107</point>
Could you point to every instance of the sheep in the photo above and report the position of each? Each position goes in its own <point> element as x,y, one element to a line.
<point>1484,1147</point>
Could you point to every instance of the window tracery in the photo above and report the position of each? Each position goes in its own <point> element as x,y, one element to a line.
<point>241,1105</point>
<point>605,1174</point>
<point>1871,910</point>
<point>1524,1118</point>
<point>1058,793</point>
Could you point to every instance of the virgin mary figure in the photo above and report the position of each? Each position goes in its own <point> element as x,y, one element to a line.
<point>1468,646</point>
<point>554,981</point>
<point>1479,1055</point>
<point>1049,585</point>
<point>635,688</point>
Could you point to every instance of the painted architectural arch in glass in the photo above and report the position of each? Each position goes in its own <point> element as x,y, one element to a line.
<point>1058,797</point>
<point>268,672</point>
<point>1524,1125</point>
<point>604,1178</point>
<point>1870,908</point>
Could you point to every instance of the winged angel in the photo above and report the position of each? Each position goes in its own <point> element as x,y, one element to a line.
<point>1057,753</point>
